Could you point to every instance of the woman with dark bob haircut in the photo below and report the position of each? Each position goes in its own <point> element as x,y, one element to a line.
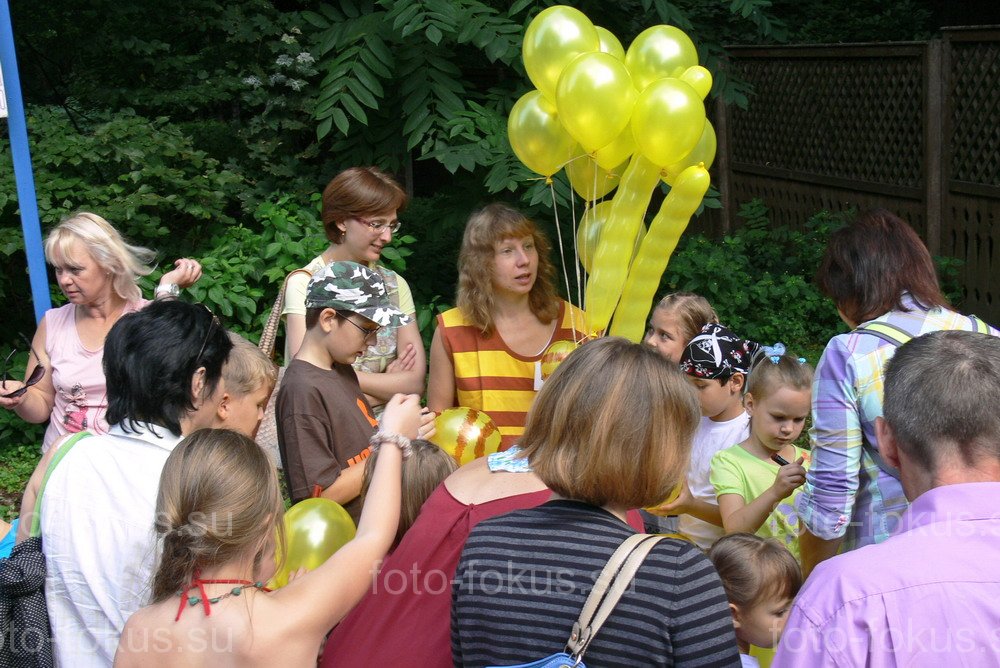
<point>610,430</point>
<point>163,365</point>
<point>487,351</point>
<point>882,281</point>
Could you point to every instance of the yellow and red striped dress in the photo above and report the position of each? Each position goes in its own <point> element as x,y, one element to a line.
<point>491,377</point>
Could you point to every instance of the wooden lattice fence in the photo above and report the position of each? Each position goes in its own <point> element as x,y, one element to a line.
<point>913,127</point>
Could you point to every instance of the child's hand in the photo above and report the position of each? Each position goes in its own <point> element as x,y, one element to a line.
<point>427,428</point>
<point>402,415</point>
<point>790,477</point>
<point>297,573</point>
<point>678,506</point>
<point>403,362</point>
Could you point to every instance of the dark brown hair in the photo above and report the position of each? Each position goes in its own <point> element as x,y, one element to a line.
<point>613,424</point>
<point>358,192</point>
<point>487,228</point>
<point>869,264</point>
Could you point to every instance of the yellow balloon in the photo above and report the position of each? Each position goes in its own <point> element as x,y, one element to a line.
<point>610,43</point>
<point>554,355</point>
<point>654,253</point>
<point>658,52</point>
<point>314,530</point>
<point>668,120</point>
<point>536,135</point>
<point>618,151</point>
<point>698,78</point>
<point>674,493</point>
<point>466,434</point>
<point>590,180</point>
<point>703,152</point>
<point>553,39</point>
<point>588,234</point>
<point>628,207</point>
<point>595,97</point>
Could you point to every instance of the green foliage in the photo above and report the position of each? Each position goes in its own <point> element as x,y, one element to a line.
<point>759,278</point>
<point>141,173</point>
<point>19,452</point>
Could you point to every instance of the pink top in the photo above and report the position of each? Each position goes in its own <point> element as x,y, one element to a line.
<point>77,376</point>
<point>405,619</point>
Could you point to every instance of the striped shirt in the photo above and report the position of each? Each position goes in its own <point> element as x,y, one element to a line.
<point>491,377</point>
<point>523,579</point>
<point>845,493</point>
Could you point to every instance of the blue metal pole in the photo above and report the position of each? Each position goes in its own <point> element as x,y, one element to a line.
<point>22,168</point>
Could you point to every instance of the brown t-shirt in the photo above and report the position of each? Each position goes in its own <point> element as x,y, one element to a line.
<point>324,423</point>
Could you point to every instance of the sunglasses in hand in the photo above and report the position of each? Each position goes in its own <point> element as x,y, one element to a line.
<point>36,374</point>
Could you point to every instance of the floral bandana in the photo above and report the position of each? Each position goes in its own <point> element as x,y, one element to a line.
<point>718,353</point>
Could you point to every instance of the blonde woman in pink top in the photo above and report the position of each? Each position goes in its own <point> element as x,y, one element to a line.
<point>97,270</point>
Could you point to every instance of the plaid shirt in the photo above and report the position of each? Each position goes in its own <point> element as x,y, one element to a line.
<point>845,493</point>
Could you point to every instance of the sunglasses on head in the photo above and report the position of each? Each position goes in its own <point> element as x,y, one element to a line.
<point>208,333</point>
<point>36,374</point>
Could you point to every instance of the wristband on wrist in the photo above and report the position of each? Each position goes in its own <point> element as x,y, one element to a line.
<point>167,291</point>
<point>400,441</point>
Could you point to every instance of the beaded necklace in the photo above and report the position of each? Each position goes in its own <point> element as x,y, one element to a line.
<point>199,584</point>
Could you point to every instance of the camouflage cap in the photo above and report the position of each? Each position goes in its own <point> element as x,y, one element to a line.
<point>348,286</point>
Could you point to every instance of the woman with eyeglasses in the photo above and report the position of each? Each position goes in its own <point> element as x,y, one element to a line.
<point>97,271</point>
<point>360,207</point>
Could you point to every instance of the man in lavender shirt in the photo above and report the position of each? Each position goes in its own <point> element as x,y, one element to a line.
<point>930,594</point>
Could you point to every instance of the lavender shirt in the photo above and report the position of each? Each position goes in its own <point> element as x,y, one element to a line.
<point>928,596</point>
<point>846,494</point>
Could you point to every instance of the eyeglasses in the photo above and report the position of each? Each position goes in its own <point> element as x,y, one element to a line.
<point>369,333</point>
<point>36,374</point>
<point>215,323</point>
<point>377,225</point>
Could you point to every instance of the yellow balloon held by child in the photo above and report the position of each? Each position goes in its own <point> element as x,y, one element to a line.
<point>554,356</point>
<point>674,493</point>
<point>314,530</point>
<point>466,434</point>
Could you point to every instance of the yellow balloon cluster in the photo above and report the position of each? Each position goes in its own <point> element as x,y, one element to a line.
<point>598,107</point>
<point>466,434</point>
<point>314,530</point>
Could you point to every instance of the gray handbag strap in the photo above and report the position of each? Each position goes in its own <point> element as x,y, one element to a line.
<point>614,580</point>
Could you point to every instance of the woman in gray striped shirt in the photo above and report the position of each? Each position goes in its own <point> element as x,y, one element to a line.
<point>610,430</point>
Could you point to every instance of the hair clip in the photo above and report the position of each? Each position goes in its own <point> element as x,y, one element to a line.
<point>775,352</point>
<point>802,360</point>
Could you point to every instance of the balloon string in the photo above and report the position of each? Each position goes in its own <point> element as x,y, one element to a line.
<point>562,256</point>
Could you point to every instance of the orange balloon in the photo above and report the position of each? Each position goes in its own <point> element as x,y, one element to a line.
<point>554,356</point>
<point>466,434</point>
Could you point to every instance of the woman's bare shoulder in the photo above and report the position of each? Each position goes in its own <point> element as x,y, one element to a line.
<point>475,483</point>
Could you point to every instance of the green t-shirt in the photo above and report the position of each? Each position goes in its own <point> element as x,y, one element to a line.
<point>736,471</point>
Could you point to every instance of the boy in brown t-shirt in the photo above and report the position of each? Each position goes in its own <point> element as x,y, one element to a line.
<point>324,420</point>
